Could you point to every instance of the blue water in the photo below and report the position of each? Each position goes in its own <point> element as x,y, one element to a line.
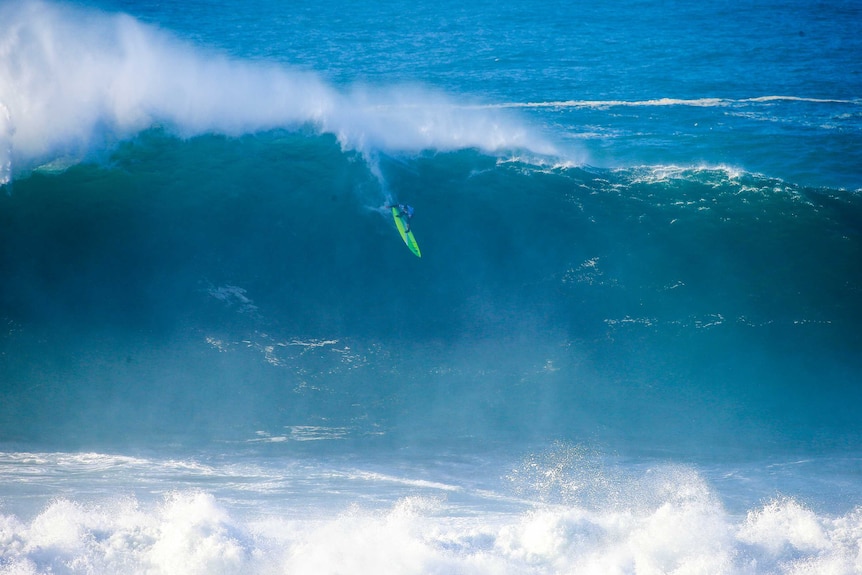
<point>631,344</point>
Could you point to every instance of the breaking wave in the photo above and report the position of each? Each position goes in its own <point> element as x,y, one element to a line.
<point>74,81</point>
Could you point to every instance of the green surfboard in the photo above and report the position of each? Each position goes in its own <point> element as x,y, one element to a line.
<point>405,235</point>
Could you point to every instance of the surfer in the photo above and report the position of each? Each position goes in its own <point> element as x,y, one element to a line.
<point>405,212</point>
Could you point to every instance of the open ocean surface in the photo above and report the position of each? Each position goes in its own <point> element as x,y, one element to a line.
<point>631,346</point>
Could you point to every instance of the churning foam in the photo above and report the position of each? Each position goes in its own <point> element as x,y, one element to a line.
<point>570,516</point>
<point>191,532</point>
<point>72,80</point>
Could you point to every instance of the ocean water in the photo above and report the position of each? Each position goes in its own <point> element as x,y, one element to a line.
<point>631,344</point>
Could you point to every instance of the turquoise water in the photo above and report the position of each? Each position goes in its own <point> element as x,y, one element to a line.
<point>630,345</point>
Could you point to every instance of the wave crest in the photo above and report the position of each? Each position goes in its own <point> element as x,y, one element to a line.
<point>74,80</point>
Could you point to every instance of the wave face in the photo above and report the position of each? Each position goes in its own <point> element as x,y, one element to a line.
<point>258,282</point>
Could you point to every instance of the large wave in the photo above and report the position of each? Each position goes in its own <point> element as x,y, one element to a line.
<point>73,80</point>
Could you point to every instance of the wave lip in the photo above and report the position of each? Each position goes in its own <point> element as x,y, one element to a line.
<point>73,80</point>
<point>69,78</point>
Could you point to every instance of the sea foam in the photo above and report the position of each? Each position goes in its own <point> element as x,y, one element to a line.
<point>561,511</point>
<point>73,80</point>
<point>193,532</point>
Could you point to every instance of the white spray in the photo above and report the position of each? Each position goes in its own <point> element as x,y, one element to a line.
<point>73,81</point>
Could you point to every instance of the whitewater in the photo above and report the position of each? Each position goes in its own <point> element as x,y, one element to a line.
<point>631,345</point>
<point>76,88</point>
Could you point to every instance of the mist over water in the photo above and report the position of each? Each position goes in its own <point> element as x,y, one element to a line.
<point>630,345</point>
<point>74,81</point>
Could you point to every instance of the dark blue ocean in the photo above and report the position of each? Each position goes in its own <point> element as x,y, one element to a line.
<point>631,345</point>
